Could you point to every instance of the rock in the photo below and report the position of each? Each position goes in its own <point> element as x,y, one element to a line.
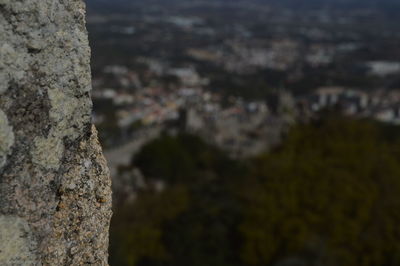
<point>55,189</point>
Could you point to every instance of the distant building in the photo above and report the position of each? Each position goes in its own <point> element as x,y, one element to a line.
<point>328,96</point>
<point>188,76</point>
<point>383,68</point>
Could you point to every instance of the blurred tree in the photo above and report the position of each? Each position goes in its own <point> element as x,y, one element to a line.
<point>136,230</point>
<point>182,159</point>
<point>329,196</point>
<point>202,234</point>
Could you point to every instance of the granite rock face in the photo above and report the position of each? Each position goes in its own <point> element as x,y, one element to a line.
<point>55,196</point>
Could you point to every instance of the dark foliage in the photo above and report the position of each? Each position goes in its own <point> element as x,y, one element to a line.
<point>330,195</point>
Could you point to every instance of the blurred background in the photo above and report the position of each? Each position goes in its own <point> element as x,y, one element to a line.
<point>250,132</point>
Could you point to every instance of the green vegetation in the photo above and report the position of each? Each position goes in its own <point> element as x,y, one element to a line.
<point>330,195</point>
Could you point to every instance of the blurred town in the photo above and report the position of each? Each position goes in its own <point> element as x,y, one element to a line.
<point>249,132</point>
<point>237,72</point>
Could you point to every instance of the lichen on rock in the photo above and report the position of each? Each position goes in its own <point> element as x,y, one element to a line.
<point>48,152</point>
<point>17,246</point>
<point>6,138</point>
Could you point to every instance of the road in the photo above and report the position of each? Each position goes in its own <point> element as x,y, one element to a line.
<point>122,155</point>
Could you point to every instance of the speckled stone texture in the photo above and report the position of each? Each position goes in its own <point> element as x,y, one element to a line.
<point>55,196</point>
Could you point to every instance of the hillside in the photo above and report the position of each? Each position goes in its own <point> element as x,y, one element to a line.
<point>329,195</point>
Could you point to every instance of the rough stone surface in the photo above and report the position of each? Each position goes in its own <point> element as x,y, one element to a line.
<point>55,197</point>
<point>6,138</point>
<point>16,238</point>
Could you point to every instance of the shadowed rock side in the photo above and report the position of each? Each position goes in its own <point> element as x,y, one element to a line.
<point>55,197</point>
